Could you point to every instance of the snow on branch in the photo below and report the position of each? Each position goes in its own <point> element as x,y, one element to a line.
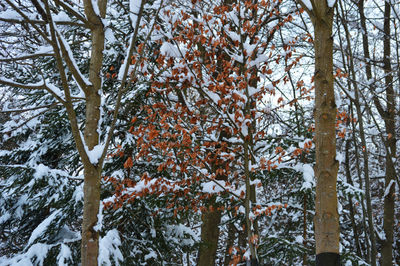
<point>26,18</point>
<point>72,11</point>
<point>40,53</point>
<point>41,85</point>
<point>29,86</point>
<point>94,155</point>
<point>42,227</point>
<point>14,15</point>
<point>124,69</point>
<point>95,5</point>
<point>109,248</point>
<point>70,60</point>
<point>387,190</point>
<point>56,92</point>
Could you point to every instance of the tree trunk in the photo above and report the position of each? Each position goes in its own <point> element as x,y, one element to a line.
<point>389,118</point>
<point>326,220</point>
<point>90,237</point>
<point>92,171</point>
<point>209,236</point>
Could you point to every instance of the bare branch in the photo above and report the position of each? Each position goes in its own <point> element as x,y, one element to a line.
<point>28,20</point>
<point>30,109</point>
<point>72,66</point>
<point>25,57</point>
<point>41,22</point>
<point>72,11</point>
<point>304,6</point>
<point>68,100</point>
<point>30,86</point>
<point>124,85</point>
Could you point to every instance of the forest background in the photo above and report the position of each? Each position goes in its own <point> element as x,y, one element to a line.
<point>182,132</point>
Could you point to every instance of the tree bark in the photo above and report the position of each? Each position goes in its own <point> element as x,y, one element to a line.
<point>326,220</point>
<point>389,118</point>
<point>92,171</point>
<point>326,167</point>
<point>209,236</point>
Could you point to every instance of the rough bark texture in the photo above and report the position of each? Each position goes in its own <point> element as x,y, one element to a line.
<point>326,218</point>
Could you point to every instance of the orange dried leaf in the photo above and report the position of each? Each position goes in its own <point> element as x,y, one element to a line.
<point>128,163</point>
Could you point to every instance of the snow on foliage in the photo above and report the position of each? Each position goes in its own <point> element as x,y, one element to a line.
<point>42,227</point>
<point>109,253</point>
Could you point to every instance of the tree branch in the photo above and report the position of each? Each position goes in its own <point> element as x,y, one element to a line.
<point>25,57</point>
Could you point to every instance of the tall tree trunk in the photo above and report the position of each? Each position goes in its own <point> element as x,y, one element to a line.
<point>92,171</point>
<point>389,118</point>
<point>326,220</point>
<point>326,167</point>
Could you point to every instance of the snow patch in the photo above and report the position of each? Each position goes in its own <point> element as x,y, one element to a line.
<point>308,4</point>
<point>100,215</point>
<point>62,16</point>
<point>168,49</point>
<point>41,228</point>
<point>213,186</point>
<point>134,7</point>
<point>109,248</point>
<point>331,3</point>
<point>64,255</point>
<point>387,190</point>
